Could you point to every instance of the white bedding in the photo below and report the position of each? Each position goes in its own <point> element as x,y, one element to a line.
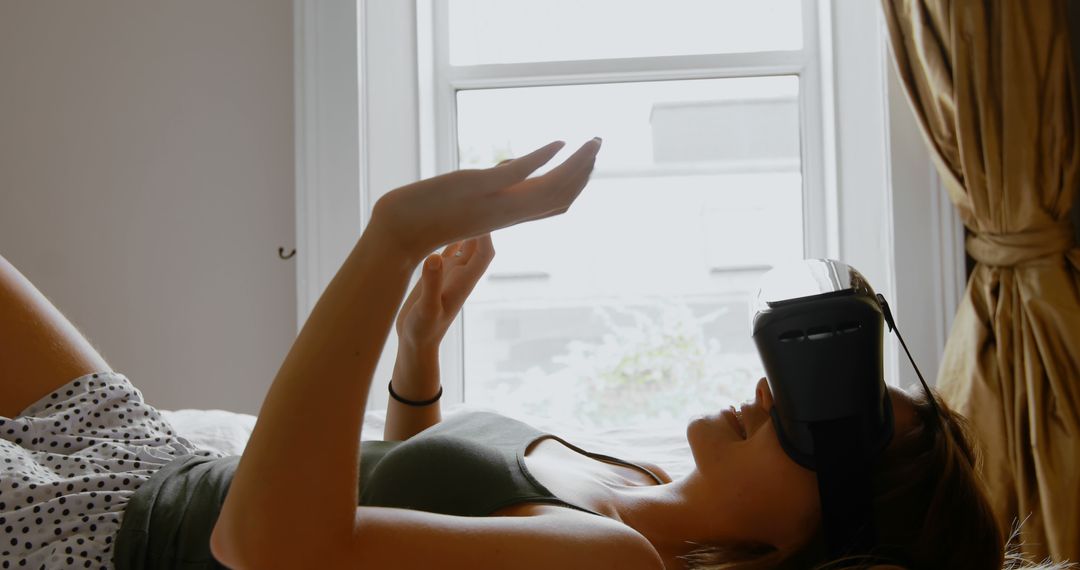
<point>664,445</point>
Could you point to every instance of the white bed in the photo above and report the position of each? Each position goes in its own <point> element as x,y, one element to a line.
<point>664,445</point>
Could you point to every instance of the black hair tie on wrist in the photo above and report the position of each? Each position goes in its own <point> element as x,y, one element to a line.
<point>390,386</point>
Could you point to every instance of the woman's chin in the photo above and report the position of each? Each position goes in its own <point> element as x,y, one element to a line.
<point>695,424</point>
<point>705,428</point>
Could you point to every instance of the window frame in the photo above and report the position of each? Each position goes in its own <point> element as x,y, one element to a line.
<point>438,124</point>
<point>438,127</point>
<point>359,79</point>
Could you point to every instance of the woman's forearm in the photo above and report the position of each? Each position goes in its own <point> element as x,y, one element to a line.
<point>415,377</point>
<point>297,479</point>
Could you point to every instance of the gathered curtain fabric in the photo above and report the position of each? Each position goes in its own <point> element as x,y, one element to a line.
<point>994,89</point>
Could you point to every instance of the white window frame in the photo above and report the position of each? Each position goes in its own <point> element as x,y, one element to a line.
<point>372,116</point>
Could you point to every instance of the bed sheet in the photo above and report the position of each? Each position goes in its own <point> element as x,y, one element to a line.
<point>663,444</point>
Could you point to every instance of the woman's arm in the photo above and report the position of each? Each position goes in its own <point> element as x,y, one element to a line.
<point>40,350</point>
<point>296,484</point>
<point>415,377</point>
<point>446,281</point>
<point>297,479</point>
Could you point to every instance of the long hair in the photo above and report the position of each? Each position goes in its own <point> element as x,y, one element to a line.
<point>930,510</point>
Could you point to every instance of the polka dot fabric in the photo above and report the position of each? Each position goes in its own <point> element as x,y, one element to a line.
<point>70,462</point>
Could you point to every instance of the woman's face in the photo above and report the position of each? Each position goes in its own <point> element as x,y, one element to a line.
<point>748,487</point>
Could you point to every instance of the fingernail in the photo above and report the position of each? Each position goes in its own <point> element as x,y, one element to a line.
<point>598,139</point>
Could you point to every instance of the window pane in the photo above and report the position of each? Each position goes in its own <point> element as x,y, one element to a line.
<point>633,306</point>
<point>516,31</point>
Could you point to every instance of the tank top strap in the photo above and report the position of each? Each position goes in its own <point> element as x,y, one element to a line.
<point>594,455</point>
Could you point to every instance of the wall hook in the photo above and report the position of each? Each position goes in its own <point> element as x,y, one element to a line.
<point>281,253</point>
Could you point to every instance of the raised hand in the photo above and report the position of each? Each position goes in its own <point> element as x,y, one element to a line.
<point>436,299</point>
<point>429,213</point>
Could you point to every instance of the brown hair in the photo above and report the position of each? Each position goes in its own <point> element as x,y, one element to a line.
<point>930,508</point>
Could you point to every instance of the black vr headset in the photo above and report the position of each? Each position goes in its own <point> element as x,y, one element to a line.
<point>818,328</point>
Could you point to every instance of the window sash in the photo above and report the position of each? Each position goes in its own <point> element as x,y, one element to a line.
<point>438,117</point>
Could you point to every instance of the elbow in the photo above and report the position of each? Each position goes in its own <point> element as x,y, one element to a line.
<point>243,539</point>
<point>238,555</point>
<point>235,540</point>
<point>224,548</point>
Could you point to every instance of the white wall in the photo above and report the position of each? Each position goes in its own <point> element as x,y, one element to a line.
<point>896,225</point>
<point>146,182</point>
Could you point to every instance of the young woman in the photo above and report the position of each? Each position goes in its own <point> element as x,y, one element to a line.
<point>75,451</point>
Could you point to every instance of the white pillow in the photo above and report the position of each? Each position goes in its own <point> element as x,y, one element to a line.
<point>665,445</point>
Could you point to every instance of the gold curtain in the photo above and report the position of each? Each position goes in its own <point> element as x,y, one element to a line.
<point>993,87</point>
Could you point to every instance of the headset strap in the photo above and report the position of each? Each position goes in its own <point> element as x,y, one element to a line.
<point>844,485</point>
<point>887,313</point>
<point>845,478</point>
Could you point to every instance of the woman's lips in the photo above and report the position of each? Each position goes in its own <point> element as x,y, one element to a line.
<point>733,417</point>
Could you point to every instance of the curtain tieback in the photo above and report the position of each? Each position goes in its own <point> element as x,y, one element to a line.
<point>1007,250</point>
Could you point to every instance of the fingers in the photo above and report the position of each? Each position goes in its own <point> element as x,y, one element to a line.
<point>431,296</point>
<point>479,253</point>
<point>469,249</point>
<point>451,250</point>
<point>554,192</point>
<point>456,254</point>
<point>577,179</point>
<point>465,252</point>
<point>483,200</point>
<point>515,170</point>
<point>582,156</point>
<point>414,294</point>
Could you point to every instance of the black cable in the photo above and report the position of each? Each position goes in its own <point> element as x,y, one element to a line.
<point>887,312</point>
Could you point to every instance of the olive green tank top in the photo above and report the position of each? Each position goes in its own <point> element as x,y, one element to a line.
<point>472,464</point>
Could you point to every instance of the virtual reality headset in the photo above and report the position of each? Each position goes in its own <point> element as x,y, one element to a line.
<point>818,328</point>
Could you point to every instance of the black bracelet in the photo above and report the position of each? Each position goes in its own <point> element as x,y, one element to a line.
<point>390,386</point>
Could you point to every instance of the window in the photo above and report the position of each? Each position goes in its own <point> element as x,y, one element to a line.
<point>633,307</point>
<point>869,192</point>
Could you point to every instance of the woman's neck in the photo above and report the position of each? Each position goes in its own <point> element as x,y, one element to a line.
<point>663,514</point>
